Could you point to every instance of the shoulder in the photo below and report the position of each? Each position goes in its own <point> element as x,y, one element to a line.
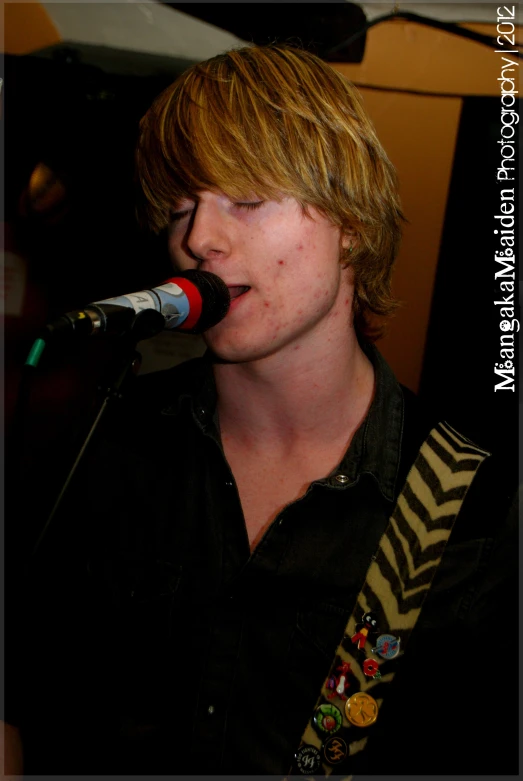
<point>158,395</point>
<point>475,589</point>
<point>478,571</point>
<point>490,496</point>
<point>168,388</point>
<point>147,426</point>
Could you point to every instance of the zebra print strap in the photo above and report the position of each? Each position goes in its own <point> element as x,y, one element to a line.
<point>397,582</point>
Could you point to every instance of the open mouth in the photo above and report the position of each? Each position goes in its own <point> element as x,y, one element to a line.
<point>236,291</point>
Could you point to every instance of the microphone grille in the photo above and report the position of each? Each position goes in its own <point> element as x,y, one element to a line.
<point>214,295</point>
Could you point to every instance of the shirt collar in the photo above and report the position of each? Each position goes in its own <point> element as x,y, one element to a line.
<point>375,447</point>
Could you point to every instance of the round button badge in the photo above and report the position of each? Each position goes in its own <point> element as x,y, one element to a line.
<point>328,718</point>
<point>387,646</point>
<point>361,709</point>
<point>370,667</point>
<point>308,759</point>
<point>335,750</point>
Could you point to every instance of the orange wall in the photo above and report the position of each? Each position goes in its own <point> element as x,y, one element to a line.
<point>419,133</point>
<point>27,28</point>
<point>406,55</point>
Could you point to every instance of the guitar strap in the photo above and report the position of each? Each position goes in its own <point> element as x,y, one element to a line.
<point>389,604</point>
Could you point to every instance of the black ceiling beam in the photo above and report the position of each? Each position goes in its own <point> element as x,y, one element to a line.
<point>316,27</point>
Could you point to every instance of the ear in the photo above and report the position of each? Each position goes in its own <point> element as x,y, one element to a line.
<point>349,240</point>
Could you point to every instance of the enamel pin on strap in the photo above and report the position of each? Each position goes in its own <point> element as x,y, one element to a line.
<point>389,604</point>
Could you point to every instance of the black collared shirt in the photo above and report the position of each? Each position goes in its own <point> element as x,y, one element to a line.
<point>170,648</point>
<point>280,612</point>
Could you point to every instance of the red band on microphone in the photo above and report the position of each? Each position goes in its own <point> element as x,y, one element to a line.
<point>195,302</point>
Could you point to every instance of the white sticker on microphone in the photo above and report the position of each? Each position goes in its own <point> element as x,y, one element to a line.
<point>169,299</point>
<point>171,288</point>
<point>142,300</point>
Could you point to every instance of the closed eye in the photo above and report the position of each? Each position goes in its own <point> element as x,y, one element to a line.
<point>249,204</point>
<point>176,216</point>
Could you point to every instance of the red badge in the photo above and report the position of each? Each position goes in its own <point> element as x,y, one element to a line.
<point>370,667</point>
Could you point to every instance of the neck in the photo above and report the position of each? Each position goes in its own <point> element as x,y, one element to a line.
<point>297,396</point>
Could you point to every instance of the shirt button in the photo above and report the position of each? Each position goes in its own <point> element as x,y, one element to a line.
<point>210,710</point>
<point>342,479</point>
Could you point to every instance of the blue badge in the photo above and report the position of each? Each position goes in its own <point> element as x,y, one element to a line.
<point>387,646</point>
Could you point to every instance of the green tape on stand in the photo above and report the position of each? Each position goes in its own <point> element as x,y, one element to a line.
<point>35,353</point>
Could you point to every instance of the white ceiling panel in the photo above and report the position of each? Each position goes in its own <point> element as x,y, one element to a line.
<point>445,12</point>
<point>146,27</point>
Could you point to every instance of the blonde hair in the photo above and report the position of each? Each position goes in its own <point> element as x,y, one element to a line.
<point>277,121</point>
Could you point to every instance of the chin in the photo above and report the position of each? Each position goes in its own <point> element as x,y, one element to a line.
<point>225,351</point>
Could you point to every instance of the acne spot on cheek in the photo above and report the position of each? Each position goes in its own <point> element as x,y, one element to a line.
<point>297,347</point>
<point>346,301</point>
<point>266,303</point>
<point>281,263</point>
<point>299,247</point>
<point>300,311</point>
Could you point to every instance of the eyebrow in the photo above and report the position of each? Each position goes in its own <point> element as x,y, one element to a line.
<point>177,209</point>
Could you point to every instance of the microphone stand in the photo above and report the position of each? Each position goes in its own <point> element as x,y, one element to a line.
<point>146,324</point>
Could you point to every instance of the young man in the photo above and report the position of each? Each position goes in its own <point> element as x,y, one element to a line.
<point>238,529</point>
<point>268,173</point>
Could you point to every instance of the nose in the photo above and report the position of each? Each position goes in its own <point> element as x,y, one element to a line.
<point>208,236</point>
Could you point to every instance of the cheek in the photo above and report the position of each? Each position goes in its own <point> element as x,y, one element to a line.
<point>173,249</point>
<point>185,264</point>
<point>179,259</point>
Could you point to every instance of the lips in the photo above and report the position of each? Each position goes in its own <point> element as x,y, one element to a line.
<point>235,291</point>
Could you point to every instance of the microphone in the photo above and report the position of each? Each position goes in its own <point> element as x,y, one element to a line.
<point>191,302</point>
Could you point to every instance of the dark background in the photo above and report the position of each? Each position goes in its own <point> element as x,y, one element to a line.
<point>463,339</point>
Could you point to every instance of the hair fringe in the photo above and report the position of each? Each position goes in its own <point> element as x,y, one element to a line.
<point>277,121</point>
